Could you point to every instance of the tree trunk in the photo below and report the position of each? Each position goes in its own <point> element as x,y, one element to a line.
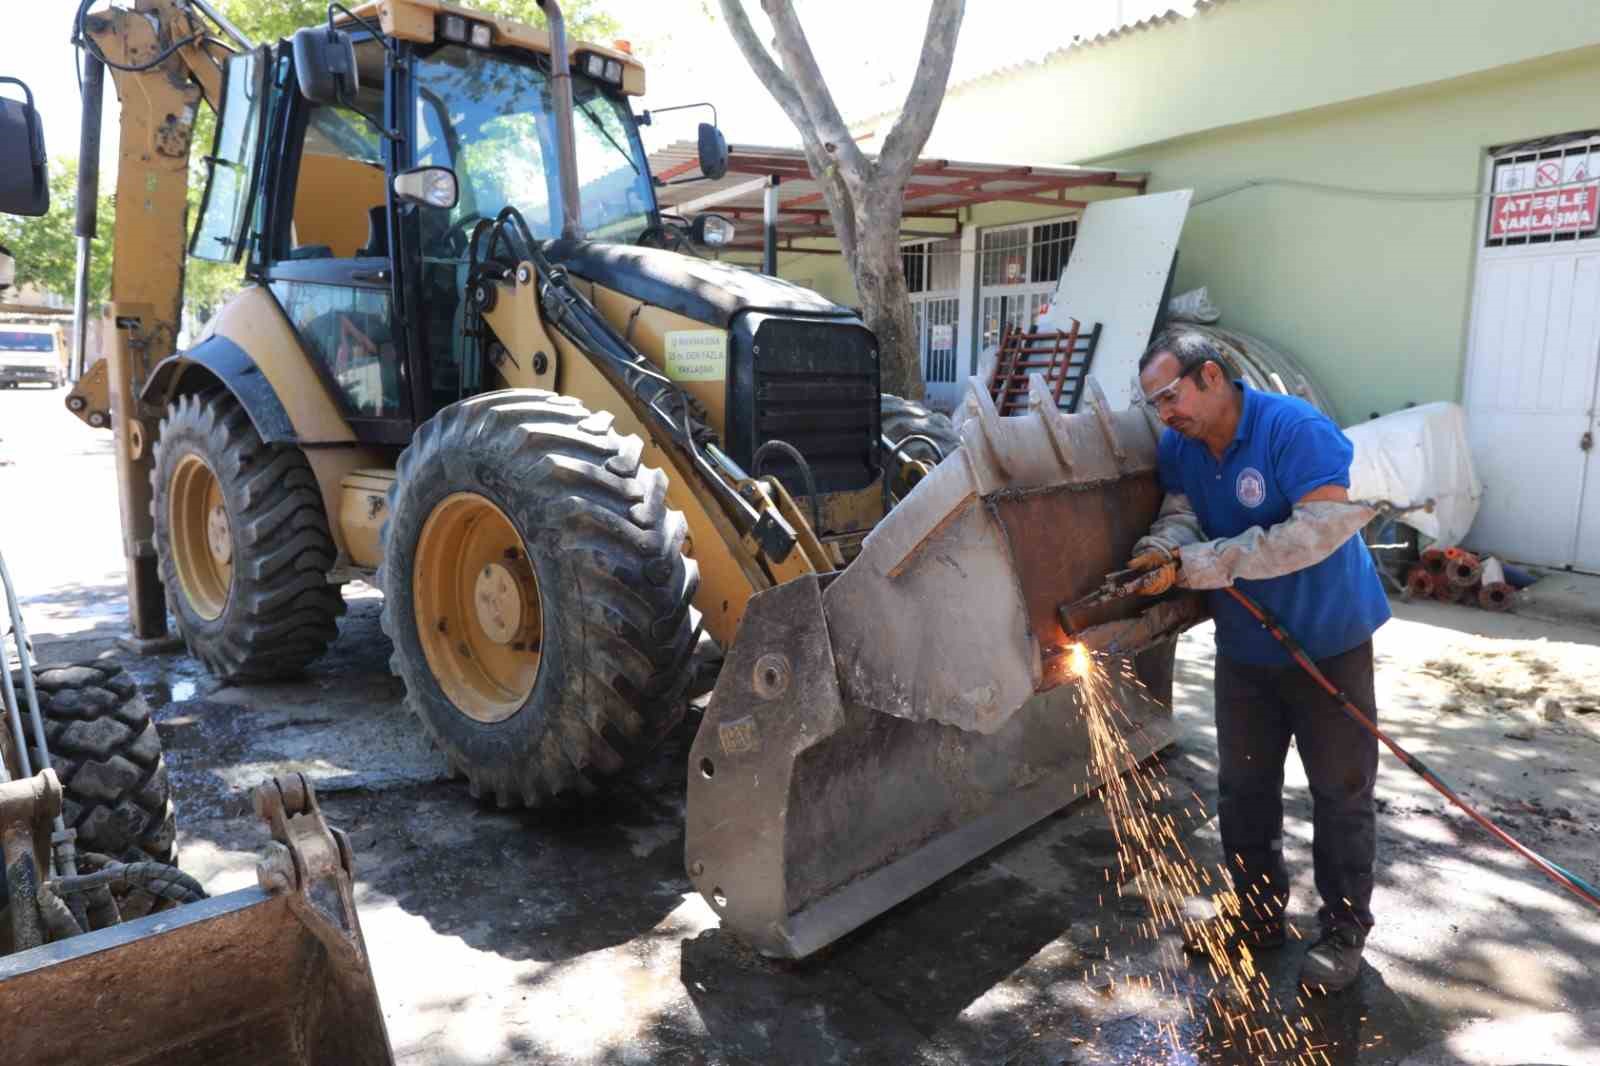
<point>886,306</point>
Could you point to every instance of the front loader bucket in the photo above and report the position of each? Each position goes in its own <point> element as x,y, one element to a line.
<point>876,729</point>
<point>276,974</point>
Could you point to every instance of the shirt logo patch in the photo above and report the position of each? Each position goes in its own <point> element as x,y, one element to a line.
<point>1251,488</point>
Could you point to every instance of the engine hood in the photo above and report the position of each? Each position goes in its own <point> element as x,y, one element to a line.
<point>701,289</point>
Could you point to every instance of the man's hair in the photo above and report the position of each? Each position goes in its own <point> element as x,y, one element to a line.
<point>1191,349</point>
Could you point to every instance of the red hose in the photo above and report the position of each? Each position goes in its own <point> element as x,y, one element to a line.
<point>1565,878</point>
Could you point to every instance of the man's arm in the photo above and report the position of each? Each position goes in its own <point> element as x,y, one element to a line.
<point>1322,520</point>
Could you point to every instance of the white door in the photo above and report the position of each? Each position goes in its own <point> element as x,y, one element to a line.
<point>936,321</point>
<point>1533,362</point>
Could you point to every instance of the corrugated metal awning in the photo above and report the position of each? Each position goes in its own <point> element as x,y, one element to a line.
<point>938,189</point>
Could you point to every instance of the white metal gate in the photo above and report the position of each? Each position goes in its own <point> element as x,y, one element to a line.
<point>933,276</point>
<point>1534,358</point>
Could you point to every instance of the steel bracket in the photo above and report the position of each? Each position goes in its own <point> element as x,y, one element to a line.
<point>311,863</point>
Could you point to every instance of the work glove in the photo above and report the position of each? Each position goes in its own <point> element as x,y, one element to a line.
<point>1160,568</point>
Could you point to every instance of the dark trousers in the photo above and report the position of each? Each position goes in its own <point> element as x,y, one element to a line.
<point>1258,709</point>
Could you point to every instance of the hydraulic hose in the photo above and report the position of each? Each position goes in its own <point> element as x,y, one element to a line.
<point>805,471</point>
<point>1559,874</point>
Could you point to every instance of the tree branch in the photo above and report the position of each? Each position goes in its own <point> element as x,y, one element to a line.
<point>904,143</point>
<point>824,168</point>
<point>801,65</point>
<point>772,76</point>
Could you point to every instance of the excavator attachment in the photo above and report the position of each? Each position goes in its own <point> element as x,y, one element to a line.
<point>875,729</point>
<point>274,974</point>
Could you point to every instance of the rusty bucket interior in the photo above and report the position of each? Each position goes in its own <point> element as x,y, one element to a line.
<point>237,979</point>
<point>272,974</point>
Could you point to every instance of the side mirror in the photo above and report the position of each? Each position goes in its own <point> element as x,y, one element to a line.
<point>711,231</point>
<point>8,270</point>
<point>713,151</point>
<point>430,186</point>
<point>325,65</point>
<point>24,171</point>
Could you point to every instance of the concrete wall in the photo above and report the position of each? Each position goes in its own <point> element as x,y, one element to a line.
<point>1396,96</point>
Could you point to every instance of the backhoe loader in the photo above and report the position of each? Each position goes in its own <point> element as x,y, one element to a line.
<point>108,953</point>
<point>476,366</point>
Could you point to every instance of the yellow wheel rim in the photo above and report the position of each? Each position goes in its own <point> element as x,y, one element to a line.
<point>477,607</point>
<point>202,539</point>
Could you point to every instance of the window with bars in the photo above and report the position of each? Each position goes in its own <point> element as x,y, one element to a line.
<point>1050,247</point>
<point>932,266</point>
<point>1544,192</point>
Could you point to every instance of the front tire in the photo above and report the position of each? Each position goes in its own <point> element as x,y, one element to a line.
<point>537,594</point>
<point>909,421</point>
<point>243,542</point>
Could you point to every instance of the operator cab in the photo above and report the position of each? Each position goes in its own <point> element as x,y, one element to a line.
<point>374,285</point>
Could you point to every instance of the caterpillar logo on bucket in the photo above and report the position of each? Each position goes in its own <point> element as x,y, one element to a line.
<point>1251,488</point>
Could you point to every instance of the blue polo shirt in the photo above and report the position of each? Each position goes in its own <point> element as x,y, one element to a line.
<point>1282,450</point>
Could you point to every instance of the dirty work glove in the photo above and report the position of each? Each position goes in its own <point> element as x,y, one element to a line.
<point>1161,571</point>
<point>1311,533</point>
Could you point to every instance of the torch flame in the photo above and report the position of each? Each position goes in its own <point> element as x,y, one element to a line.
<point>1081,665</point>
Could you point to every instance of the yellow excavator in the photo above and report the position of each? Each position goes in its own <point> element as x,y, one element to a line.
<point>109,953</point>
<point>478,367</point>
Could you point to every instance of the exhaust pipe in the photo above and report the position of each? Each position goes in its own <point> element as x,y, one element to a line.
<point>561,96</point>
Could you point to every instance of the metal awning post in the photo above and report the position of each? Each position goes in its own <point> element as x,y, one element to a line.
<point>769,227</point>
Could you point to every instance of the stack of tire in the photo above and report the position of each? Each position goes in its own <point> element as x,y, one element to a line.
<point>107,754</point>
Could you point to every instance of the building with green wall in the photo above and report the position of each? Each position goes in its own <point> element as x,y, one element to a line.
<point>1343,158</point>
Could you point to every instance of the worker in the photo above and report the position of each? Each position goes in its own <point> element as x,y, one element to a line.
<point>1257,494</point>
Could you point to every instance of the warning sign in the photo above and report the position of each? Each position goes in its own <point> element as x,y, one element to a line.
<point>1573,209</point>
<point>697,355</point>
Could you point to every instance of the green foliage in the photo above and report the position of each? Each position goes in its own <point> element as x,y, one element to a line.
<point>45,248</point>
<point>267,20</point>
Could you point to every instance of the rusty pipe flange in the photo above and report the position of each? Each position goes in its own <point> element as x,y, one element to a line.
<point>1419,582</point>
<point>1433,560</point>
<point>1462,568</point>
<point>1498,596</point>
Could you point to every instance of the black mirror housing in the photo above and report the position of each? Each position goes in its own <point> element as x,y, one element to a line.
<point>325,65</point>
<point>24,169</point>
<point>713,151</point>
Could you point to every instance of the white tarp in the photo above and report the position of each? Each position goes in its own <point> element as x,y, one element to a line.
<point>1415,455</point>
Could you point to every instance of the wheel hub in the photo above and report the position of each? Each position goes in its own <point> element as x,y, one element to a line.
<point>218,537</point>
<point>477,607</point>
<point>502,595</point>
<point>200,536</point>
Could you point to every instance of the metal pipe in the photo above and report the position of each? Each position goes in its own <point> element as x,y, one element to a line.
<point>94,78</point>
<point>769,228</point>
<point>62,858</point>
<point>561,97</point>
<point>227,27</point>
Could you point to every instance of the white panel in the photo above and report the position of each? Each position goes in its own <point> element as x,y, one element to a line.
<point>1535,327</point>
<point>1116,276</point>
<point>1548,394</point>
<point>1534,340</point>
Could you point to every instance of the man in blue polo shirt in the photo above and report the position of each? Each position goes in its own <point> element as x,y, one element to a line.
<point>1256,496</point>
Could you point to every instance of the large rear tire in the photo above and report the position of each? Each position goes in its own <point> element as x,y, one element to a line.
<point>243,542</point>
<point>537,594</point>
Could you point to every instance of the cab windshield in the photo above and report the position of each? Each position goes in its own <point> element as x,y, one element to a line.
<point>490,119</point>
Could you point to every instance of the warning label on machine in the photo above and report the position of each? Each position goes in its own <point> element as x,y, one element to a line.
<point>697,354</point>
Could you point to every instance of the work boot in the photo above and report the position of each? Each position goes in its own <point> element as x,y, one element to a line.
<point>1334,961</point>
<point>1227,934</point>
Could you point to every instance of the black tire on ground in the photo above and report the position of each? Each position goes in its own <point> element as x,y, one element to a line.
<point>613,585</point>
<point>903,418</point>
<point>280,611</point>
<point>106,751</point>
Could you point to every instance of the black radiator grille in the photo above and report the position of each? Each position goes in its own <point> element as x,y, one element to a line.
<point>812,384</point>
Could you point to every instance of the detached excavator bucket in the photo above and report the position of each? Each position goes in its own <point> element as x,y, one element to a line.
<point>276,974</point>
<point>874,730</point>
